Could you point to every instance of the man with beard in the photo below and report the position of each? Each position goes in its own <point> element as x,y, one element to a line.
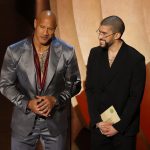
<point>115,77</point>
<point>39,76</point>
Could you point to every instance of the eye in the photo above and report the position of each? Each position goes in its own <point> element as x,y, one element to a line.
<point>101,32</point>
<point>51,29</point>
<point>41,26</point>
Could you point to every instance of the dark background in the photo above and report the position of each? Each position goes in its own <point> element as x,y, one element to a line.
<point>16,22</point>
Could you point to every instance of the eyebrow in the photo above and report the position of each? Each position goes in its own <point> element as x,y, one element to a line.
<point>102,32</point>
<point>98,30</point>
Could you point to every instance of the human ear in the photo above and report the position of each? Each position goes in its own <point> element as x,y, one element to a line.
<point>117,35</point>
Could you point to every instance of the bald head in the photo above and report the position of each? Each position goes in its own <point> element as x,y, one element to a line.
<point>45,26</point>
<point>47,14</point>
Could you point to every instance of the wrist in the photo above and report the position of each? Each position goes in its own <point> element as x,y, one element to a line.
<point>54,101</point>
<point>28,105</point>
<point>28,108</point>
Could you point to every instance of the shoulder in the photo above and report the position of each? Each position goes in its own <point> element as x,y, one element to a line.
<point>20,43</point>
<point>133,53</point>
<point>60,43</point>
<point>96,51</point>
<point>64,48</point>
<point>20,46</point>
<point>16,50</point>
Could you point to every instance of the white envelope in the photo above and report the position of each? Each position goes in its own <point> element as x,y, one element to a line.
<point>110,115</point>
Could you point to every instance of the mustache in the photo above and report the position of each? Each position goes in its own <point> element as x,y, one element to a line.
<point>44,36</point>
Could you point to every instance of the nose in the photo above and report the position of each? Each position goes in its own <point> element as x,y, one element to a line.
<point>100,36</point>
<point>45,32</point>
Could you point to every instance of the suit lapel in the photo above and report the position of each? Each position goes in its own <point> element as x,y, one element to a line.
<point>55,53</point>
<point>29,63</point>
<point>117,64</point>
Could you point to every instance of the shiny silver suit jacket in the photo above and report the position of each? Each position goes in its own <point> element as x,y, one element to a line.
<point>18,83</point>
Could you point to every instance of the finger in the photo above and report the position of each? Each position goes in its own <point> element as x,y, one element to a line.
<point>46,114</point>
<point>104,129</point>
<point>109,134</point>
<point>38,112</point>
<point>104,125</point>
<point>105,132</point>
<point>108,123</point>
<point>101,131</point>
<point>43,108</point>
<point>40,97</point>
<point>41,103</point>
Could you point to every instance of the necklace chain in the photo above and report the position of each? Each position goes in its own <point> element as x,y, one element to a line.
<point>42,59</point>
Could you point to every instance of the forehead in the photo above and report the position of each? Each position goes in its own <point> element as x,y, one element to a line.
<point>105,28</point>
<point>46,21</point>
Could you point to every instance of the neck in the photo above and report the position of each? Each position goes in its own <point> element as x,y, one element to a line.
<point>114,48</point>
<point>39,47</point>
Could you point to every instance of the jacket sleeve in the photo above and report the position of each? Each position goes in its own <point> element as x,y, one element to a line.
<point>8,81</point>
<point>72,82</point>
<point>89,89</point>
<point>136,93</point>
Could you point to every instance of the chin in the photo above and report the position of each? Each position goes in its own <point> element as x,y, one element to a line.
<point>44,42</point>
<point>102,45</point>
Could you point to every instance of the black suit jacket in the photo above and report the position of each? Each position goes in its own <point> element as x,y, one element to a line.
<point>122,86</point>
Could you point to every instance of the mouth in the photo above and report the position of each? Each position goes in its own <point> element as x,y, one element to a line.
<point>102,41</point>
<point>44,37</point>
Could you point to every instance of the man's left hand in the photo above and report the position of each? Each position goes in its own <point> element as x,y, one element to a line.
<point>46,105</point>
<point>107,129</point>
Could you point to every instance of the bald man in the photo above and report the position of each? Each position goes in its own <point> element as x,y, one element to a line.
<point>39,76</point>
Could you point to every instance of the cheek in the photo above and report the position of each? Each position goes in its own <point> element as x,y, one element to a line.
<point>51,33</point>
<point>109,43</point>
<point>38,32</point>
<point>109,40</point>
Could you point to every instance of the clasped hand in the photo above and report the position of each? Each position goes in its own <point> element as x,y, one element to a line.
<point>106,128</point>
<point>42,105</point>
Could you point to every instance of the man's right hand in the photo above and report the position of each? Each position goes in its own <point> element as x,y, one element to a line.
<point>33,106</point>
<point>106,128</point>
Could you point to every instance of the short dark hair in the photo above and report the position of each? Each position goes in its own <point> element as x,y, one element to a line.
<point>116,23</point>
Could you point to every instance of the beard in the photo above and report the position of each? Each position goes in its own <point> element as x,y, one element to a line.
<point>105,44</point>
<point>45,40</point>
